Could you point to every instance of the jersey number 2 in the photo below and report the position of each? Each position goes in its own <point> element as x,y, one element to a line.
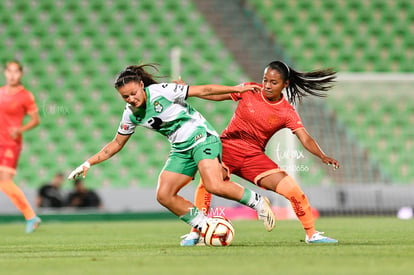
<point>155,122</point>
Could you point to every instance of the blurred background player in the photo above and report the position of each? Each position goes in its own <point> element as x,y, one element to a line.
<point>15,103</point>
<point>195,145</point>
<point>83,197</point>
<point>257,118</point>
<point>50,194</point>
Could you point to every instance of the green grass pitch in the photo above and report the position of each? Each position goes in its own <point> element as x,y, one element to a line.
<point>374,245</point>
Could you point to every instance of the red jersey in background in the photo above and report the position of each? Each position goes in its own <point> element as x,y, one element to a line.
<point>13,108</point>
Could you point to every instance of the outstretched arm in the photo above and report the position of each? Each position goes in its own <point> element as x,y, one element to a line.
<point>216,97</point>
<point>219,97</point>
<point>312,146</point>
<point>105,153</point>
<point>217,91</point>
<point>109,149</point>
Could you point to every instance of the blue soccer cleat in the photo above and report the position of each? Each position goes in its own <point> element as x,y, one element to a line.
<point>32,224</point>
<point>192,239</point>
<point>319,238</point>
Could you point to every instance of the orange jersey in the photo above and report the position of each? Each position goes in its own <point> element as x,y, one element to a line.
<point>257,119</point>
<point>13,108</point>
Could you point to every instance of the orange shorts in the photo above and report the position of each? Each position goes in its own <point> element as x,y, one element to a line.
<point>252,165</point>
<point>9,157</point>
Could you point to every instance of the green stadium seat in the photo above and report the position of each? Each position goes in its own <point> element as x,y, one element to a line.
<point>84,50</point>
<point>82,45</point>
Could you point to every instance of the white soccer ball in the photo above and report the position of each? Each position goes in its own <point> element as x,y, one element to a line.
<point>218,231</point>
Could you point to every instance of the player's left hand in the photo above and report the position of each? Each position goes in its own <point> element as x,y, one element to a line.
<point>331,162</point>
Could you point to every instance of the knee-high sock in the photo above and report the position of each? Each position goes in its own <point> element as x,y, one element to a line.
<point>18,198</point>
<point>195,218</point>
<point>202,198</point>
<point>288,188</point>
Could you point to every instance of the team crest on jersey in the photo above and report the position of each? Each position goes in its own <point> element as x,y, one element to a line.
<point>158,107</point>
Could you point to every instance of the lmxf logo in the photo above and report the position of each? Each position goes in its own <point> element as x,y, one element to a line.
<point>207,151</point>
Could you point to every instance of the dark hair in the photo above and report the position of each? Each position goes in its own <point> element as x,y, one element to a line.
<point>14,62</point>
<point>304,83</point>
<point>136,74</point>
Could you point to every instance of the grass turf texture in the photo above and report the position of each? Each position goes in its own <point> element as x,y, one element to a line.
<point>375,245</point>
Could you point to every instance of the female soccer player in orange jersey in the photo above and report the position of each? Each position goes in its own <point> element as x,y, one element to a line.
<point>257,118</point>
<point>15,103</point>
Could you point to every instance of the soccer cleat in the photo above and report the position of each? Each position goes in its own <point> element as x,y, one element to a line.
<point>319,238</point>
<point>266,214</point>
<point>32,224</point>
<point>192,239</point>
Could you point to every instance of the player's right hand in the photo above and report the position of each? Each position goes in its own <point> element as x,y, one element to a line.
<point>180,81</point>
<point>80,170</point>
<point>250,87</point>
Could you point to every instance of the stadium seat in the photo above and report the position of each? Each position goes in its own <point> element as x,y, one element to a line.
<point>353,36</point>
<point>336,18</point>
<point>73,51</point>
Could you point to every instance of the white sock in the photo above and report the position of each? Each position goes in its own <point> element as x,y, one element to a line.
<point>252,199</point>
<point>195,218</point>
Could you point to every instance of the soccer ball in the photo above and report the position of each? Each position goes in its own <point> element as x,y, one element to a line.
<point>218,231</point>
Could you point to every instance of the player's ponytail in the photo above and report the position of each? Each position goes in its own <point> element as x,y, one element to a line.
<point>304,83</point>
<point>136,74</point>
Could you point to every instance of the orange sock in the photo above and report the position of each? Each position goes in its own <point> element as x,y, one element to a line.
<point>288,188</point>
<point>202,199</point>
<point>18,198</point>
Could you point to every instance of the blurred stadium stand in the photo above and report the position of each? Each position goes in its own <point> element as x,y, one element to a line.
<point>316,34</point>
<point>72,50</point>
<point>351,35</point>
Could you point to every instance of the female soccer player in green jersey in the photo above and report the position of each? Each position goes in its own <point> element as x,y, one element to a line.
<point>195,145</point>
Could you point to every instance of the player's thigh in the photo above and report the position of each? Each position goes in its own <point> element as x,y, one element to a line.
<point>207,156</point>
<point>181,163</point>
<point>170,183</point>
<point>271,180</point>
<point>262,171</point>
<point>210,172</point>
<point>178,171</point>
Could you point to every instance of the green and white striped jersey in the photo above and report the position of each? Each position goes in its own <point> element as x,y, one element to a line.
<point>167,112</point>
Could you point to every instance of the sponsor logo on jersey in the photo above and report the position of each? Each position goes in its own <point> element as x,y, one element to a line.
<point>125,127</point>
<point>158,107</point>
<point>197,137</point>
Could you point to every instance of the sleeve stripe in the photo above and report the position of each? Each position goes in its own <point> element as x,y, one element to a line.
<point>186,92</point>
<point>123,134</point>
